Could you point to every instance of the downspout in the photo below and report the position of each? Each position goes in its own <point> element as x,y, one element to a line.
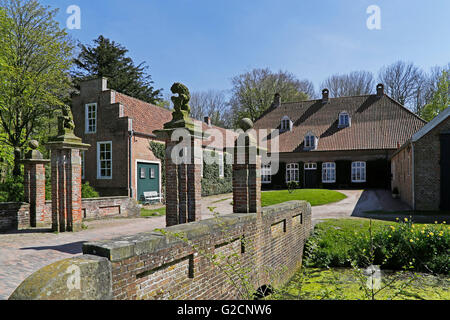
<point>130,158</point>
<point>412,178</point>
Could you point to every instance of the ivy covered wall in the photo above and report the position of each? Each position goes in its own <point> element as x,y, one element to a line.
<point>212,183</point>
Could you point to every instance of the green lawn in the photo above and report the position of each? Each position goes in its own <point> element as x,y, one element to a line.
<point>153,213</point>
<point>316,197</point>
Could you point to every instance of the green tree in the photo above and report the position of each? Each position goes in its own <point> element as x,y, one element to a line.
<point>253,92</point>
<point>107,58</point>
<point>35,57</point>
<point>440,100</point>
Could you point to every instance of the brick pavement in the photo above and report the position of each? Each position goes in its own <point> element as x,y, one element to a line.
<point>23,253</point>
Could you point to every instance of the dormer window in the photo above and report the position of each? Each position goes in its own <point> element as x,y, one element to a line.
<point>344,120</point>
<point>286,124</point>
<point>310,141</point>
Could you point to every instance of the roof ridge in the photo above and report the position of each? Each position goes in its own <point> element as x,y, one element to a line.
<point>128,96</point>
<point>311,100</point>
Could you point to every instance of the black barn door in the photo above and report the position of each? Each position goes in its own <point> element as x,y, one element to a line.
<point>445,171</point>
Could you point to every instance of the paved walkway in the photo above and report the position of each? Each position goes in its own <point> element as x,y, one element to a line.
<point>23,253</point>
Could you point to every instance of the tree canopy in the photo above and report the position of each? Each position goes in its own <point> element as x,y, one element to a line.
<point>35,57</point>
<point>253,91</point>
<point>440,100</point>
<point>355,83</point>
<point>106,58</point>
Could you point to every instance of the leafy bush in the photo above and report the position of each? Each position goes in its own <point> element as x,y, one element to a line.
<point>11,190</point>
<point>394,246</point>
<point>88,192</point>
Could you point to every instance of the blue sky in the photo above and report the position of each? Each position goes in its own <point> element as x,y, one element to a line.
<point>204,43</point>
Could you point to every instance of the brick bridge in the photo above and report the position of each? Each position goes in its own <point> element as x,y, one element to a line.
<point>227,257</point>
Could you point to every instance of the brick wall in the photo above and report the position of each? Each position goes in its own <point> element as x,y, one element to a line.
<point>105,207</point>
<point>427,179</point>
<point>14,216</point>
<point>153,266</point>
<point>401,165</point>
<point>427,170</point>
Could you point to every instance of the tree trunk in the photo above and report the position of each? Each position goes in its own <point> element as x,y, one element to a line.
<point>16,171</point>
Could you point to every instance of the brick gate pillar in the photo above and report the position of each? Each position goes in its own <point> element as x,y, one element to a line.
<point>246,171</point>
<point>66,176</point>
<point>34,183</point>
<point>183,162</point>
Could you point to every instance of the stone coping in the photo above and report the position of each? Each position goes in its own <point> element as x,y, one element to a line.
<point>128,246</point>
<point>99,199</point>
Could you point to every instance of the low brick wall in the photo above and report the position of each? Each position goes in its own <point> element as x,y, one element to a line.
<point>105,207</point>
<point>155,266</point>
<point>14,216</point>
<point>98,208</point>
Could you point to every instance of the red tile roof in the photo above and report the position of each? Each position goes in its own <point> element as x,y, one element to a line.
<point>148,117</point>
<point>376,123</point>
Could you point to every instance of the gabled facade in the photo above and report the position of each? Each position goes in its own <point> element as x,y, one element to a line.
<point>342,142</point>
<point>119,129</point>
<point>421,167</point>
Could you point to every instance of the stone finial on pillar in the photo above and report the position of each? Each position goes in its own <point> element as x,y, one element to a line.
<point>183,161</point>
<point>34,184</point>
<point>66,175</point>
<point>246,171</point>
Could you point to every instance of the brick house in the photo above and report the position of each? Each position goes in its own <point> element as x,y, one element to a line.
<point>344,142</point>
<point>119,129</point>
<point>421,167</point>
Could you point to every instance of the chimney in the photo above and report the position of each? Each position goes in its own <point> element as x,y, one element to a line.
<point>380,90</point>
<point>276,100</point>
<point>208,121</point>
<point>325,95</point>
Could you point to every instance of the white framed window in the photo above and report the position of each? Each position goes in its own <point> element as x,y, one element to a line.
<point>286,124</point>
<point>104,160</point>
<point>358,171</point>
<point>152,173</point>
<point>142,173</point>
<point>329,172</point>
<point>292,172</point>
<point>82,155</point>
<point>310,166</point>
<point>344,119</point>
<point>310,141</point>
<point>221,166</point>
<point>266,173</point>
<point>91,118</point>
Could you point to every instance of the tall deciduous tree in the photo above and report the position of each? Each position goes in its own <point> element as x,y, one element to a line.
<point>106,58</point>
<point>440,100</point>
<point>35,55</point>
<point>403,82</point>
<point>352,84</point>
<point>211,104</point>
<point>253,91</point>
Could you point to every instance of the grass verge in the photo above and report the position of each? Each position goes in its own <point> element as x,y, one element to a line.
<point>316,197</point>
<point>153,213</point>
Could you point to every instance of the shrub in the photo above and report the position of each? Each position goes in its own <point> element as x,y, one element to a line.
<point>394,246</point>
<point>11,190</point>
<point>88,192</point>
